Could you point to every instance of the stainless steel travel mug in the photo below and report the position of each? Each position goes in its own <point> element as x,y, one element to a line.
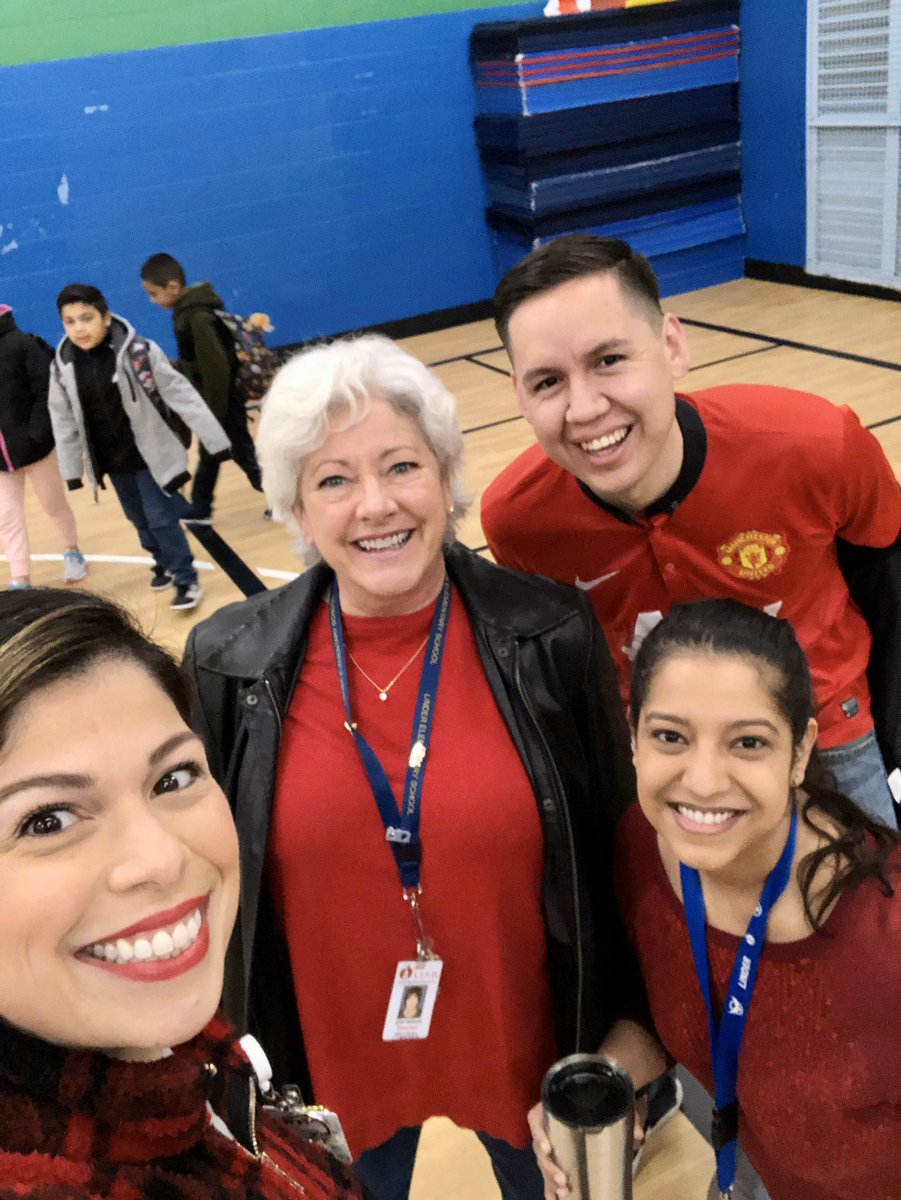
<point>589,1108</point>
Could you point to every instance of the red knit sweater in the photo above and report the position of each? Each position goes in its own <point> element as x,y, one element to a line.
<point>819,1084</point>
<point>76,1125</point>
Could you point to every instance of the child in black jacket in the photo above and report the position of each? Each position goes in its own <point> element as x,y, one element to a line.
<point>26,452</point>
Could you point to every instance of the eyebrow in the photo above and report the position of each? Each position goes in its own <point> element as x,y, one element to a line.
<point>170,744</point>
<point>40,781</point>
<point>343,462</point>
<point>744,724</point>
<point>63,779</point>
<point>609,346</point>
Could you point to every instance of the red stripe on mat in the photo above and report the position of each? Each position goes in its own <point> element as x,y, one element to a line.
<point>601,74</point>
<point>627,48</point>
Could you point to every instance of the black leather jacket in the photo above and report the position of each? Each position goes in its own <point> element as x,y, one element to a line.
<point>549,668</point>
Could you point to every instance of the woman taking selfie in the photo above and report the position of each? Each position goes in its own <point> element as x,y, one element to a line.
<point>763,909</point>
<point>425,755</point>
<point>119,876</point>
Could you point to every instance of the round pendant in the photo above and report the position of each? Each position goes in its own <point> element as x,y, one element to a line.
<point>383,695</point>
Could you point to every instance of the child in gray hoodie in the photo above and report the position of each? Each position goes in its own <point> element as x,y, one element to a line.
<point>120,409</point>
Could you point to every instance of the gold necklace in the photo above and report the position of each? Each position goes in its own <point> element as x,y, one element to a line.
<point>383,691</point>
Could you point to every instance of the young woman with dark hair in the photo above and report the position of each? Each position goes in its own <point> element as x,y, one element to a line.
<point>739,837</point>
<point>119,876</point>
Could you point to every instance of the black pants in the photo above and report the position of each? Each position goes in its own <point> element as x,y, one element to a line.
<point>243,452</point>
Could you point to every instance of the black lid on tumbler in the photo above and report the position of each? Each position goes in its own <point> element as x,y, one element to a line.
<point>587,1092</point>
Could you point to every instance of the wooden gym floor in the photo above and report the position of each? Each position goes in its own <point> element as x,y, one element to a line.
<point>847,348</point>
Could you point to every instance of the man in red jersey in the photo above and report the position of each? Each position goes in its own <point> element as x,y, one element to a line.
<point>645,498</point>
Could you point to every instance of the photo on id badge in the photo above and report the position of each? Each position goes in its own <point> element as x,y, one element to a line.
<point>412,1001</point>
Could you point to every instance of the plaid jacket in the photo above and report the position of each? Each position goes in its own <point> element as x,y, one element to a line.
<point>77,1125</point>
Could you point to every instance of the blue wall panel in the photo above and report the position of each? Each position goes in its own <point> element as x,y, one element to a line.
<point>328,177</point>
<point>773,106</point>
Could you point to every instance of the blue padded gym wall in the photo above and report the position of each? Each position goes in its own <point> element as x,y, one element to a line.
<point>617,122</point>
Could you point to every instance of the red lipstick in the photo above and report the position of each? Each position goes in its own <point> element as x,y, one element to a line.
<point>169,916</point>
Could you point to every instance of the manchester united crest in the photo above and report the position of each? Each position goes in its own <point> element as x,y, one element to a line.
<point>754,555</point>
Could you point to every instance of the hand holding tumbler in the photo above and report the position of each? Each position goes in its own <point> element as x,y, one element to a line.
<point>589,1108</point>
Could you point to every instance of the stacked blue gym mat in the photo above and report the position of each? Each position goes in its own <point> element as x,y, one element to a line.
<point>622,123</point>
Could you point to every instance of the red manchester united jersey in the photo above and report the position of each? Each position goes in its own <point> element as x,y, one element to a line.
<point>785,473</point>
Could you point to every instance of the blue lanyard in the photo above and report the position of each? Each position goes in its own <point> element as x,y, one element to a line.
<point>726,1039</point>
<point>401,824</point>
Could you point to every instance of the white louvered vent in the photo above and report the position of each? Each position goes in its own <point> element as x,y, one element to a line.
<point>852,56</point>
<point>854,125</point>
<point>850,198</point>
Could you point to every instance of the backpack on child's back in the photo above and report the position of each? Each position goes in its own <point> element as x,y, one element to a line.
<point>257,363</point>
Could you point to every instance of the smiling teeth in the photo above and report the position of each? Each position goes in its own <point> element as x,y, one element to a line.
<point>604,443</point>
<point>391,542</point>
<point>162,944</point>
<point>703,816</point>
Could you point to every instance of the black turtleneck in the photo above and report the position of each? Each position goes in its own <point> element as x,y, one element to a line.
<point>109,430</point>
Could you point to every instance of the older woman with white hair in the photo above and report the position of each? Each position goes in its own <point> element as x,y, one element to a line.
<point>425,754</point>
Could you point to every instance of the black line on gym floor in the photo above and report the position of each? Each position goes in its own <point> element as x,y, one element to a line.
<point>492,424</point>
<point>886,421</point>
<point>444,362</point>
<point>790,345</point>
<point>730,357</point>
<point>488,366</point>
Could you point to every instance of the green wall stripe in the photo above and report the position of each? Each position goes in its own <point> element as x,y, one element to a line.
<point>43,30</point>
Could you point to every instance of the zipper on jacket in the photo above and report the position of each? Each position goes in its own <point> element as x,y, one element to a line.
<point>260,1156</point>
<point>252,1122</point>
<point>570,841</point>
<point>270,691</point>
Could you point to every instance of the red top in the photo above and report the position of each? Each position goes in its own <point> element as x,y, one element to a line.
<point>338,892</point>
<point>819,1082</point>
<point>77,1124</point>
<point>785,474</point>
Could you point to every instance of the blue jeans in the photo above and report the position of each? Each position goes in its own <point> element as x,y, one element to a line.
<point>155,516</point>
<point>388,1169</point>
<point>859,773</point>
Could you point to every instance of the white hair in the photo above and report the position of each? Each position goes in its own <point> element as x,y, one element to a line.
<point>343,377</point>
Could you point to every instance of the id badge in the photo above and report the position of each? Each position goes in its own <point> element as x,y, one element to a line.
<point>412,1002</point>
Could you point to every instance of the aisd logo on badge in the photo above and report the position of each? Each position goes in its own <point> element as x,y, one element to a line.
<point>753,554</point>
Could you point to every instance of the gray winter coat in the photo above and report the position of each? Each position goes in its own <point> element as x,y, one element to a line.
<point>159,446</point>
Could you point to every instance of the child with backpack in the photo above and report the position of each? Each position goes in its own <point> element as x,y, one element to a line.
<point>120,409</point>
<point>26,452</point>
<point>208,355</point>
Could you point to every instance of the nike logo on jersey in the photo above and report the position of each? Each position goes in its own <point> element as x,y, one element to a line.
<point>587,584</point>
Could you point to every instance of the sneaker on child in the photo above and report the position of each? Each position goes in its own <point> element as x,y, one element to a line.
<point>161,579</point>
<point>195,516</point>
<point>75,568</point>
<point>187,595</point>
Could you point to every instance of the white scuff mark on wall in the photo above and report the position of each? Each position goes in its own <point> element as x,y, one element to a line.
<point>90,109</point>
<point>63,190</point>
<point>364,75</point>
<point>9,247</point>
<point>36,225</point>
